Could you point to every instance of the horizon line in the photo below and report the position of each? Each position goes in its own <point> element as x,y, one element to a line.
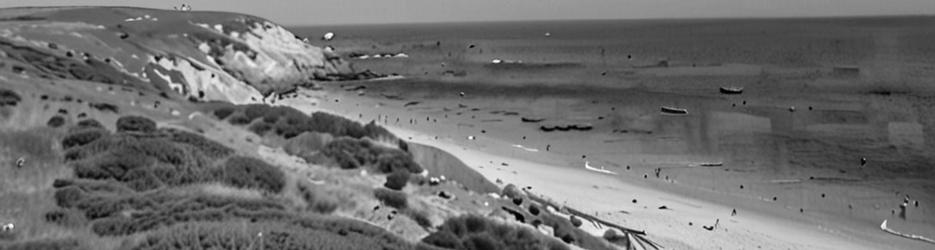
<point>616,19</point>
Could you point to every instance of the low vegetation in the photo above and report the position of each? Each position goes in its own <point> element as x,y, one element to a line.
<point>9,98</point>
<point>289,122</point>
<point>477,232</point>
<point>143,179</point>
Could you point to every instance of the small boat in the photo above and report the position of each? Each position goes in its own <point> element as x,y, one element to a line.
<point>587,165</point>
<point>731,90</point>
<point>674,110</point>
<point>711,164</point>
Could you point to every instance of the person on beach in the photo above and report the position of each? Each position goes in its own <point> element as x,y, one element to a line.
<point>902,210</point>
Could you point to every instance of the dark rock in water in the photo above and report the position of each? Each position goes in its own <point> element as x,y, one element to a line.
<point>566,127</point>
<point>355,88</point>
<point>532,119</point>
<point>731,90</point>
<point>673,110</point>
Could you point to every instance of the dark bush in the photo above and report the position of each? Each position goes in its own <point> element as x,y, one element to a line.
<point>210,148</point>
<point>533,209</point>
<point>89,123</point>
<point>478,232</point>
<point>254,111</point>
<point>9,98</point>
<point>482,242</point>
<point>260,128</point>
<point>239,120</point>
<point>391,198</point>
<point>105,107</point>
<point>82,137</point>
<point>247,172</point>
<point>69,196</point>
<point>114,226</point>
<point>396,160</point>
<point>397,180</point>
<point>135,124</point>
<point>575,221</point>
<point>223,112</point>
<point>444,239</point>
<point>56,121</point>
<point>115,165</point>
<point>419,217</point>
<point>60,183</point>
<point>375,131</point>
<point>142,180</point>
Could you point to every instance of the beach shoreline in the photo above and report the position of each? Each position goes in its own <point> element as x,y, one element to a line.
<point>750,229</point>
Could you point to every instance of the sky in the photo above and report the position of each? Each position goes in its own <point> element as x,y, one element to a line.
<point>330,12</point>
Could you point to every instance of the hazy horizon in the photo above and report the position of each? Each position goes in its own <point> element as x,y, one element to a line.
<point>349,12</point>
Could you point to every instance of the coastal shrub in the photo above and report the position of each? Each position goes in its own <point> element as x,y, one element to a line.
<point>209,148</point>
<point>396,160</point>
<point>316,201</point>
<point>260,128</point>
<point>223,112</point>
<point>306,144</point>
<point>477,232</point>
<point>289,122</point>
<point>132,123</point>
<point>82,137</point>
<point>247,172</point>
<point>68,197</point>
<point>142,180</point>
<point>352,153</point>
<point>299,234</point>
<point>444,239</point>
<point>239,120</point>
<point>9,98</point>
<point>397,180</point>
<point>56,121</point>
<point>105,107</point>
<point>114,164</point>
<point>391,198</point>
<point>575,221</point>
<point>482,242</point>
<point>533,209</point>
<point>89,123</point>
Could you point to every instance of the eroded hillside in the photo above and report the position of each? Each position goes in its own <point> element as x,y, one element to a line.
<point>106,143</point>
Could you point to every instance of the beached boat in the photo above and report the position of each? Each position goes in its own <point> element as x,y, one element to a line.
<point>731,90</point>
<point>587,165</point>
<point>674,110</point>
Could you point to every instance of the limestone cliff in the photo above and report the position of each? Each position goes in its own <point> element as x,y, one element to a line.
<point>202,55</point>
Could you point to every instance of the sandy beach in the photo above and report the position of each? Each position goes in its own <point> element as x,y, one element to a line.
<point>566,181</point>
